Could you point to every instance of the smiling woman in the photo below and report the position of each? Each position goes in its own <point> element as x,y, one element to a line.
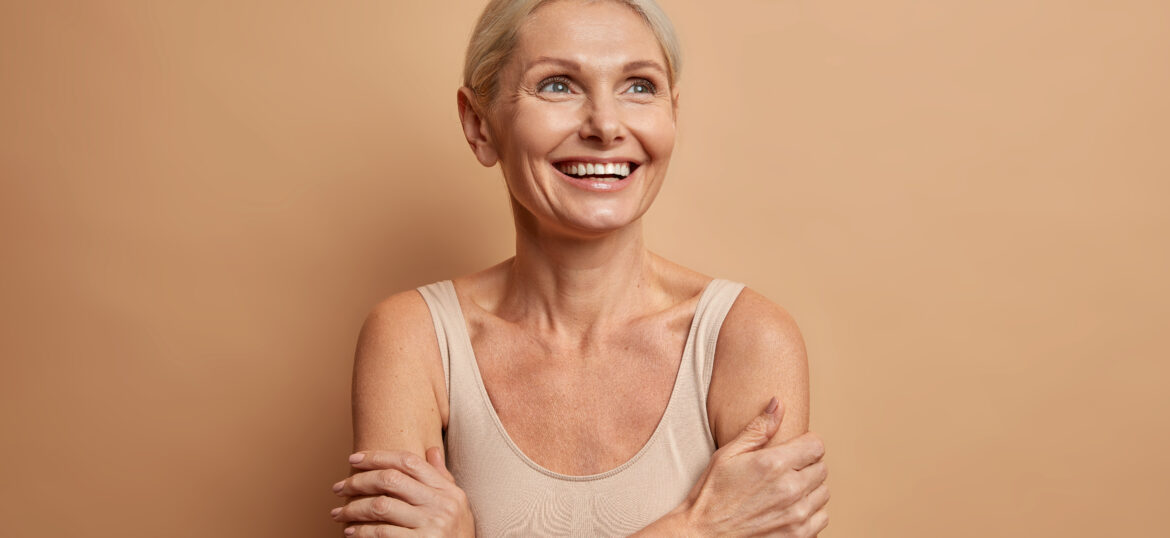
<point>586,85</point>
<point>576,388</point>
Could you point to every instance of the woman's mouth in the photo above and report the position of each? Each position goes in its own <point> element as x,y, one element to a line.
<point>608,172</point>
<point>597,176</point>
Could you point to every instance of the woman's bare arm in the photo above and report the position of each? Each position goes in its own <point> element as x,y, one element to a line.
<point>760,354</point>
<point>399,409</point>
<point>399,393</point>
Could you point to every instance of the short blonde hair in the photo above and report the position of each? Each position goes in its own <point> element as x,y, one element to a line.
<point>495,34</point>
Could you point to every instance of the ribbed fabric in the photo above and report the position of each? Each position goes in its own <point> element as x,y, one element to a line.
<point>511,495</point>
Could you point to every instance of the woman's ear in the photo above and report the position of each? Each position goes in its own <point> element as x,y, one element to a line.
<point>475,128</point>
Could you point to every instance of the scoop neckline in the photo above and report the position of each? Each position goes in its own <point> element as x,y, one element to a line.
<point>670,403</point>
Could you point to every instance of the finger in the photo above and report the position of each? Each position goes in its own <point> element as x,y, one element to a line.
<point>376,530</point>
<point>435,458</point>
<point>759,430</point>
<point>798,514</point>
<point>812,477</point>
<point>818,497</point>
<point>391,482</point>
<point>815,523</point>
<point>368,460</point>
<point>798,452</point>
<point>380,509</point>
<point>407,462</point>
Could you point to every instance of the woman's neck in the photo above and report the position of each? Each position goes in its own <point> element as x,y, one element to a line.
<point>574,287</point>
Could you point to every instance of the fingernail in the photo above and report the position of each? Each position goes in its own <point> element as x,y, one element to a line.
<point>337,487</point>
<point>357,458</point>
<point>335,511</point>
<point>771,407</point>
<point>350,530</point>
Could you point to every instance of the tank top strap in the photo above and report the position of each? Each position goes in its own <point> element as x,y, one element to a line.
<point>448,319</point>
<point>713,306</point>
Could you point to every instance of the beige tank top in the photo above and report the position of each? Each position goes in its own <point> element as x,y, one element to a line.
<point>510,495</point>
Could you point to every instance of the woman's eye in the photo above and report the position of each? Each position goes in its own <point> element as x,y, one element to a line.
<point>554,86</point>
<point>642,86</point>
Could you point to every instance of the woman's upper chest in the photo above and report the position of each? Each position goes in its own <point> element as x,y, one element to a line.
<point>587,406</point>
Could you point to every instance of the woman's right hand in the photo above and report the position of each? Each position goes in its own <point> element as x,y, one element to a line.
<point>396,493</point>
<point>753,486</point>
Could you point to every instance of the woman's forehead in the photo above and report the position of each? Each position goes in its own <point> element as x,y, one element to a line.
<point>596,33</point>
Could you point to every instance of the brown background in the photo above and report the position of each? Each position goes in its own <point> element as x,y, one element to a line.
<point>964,205</point>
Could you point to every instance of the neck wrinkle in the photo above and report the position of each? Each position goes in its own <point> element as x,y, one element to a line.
<point>577,288</point>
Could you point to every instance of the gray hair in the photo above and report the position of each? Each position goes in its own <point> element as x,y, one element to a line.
<point>495,34</point>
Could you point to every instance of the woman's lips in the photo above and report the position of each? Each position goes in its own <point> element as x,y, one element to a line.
<point>608,170</point>
<point>598,177</point>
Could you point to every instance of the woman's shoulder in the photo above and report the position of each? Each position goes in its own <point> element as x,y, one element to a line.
<point>399,329</point>
<point>401,326</point>
<point>397,352</point>
<point>752,321</point>
<point>760,354</point>
<point>757,338</point>
<point>751,315</point>
<point>754,317</point>
<point>397,314</point>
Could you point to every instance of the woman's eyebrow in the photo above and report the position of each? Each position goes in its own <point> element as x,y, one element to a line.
<point>570,64</point>
<point>640,64</point>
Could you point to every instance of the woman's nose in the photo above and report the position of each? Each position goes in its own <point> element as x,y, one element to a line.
<point>602,121</point>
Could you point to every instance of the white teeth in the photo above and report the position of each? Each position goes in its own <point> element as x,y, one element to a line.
<point>621,170</point>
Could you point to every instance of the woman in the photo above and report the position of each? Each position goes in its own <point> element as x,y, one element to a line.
<point>577,387</point>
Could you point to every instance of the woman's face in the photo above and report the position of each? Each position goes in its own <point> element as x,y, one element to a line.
<point>584,119</point>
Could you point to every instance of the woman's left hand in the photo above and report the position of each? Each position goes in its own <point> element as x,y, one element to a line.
<point>397,493</point>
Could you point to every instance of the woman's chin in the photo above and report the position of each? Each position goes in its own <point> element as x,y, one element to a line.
<point>600,224</point>
<point>589,219</point>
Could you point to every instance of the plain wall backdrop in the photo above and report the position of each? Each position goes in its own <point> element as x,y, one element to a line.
<point>963,204</point>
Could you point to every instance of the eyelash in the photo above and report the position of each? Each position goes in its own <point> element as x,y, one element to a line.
<point>554,80</point>
<point>649,86</point>
<point>652,89</point>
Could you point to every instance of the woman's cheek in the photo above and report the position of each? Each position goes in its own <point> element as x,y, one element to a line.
<point>544,120</point>
<point>657,135</point>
